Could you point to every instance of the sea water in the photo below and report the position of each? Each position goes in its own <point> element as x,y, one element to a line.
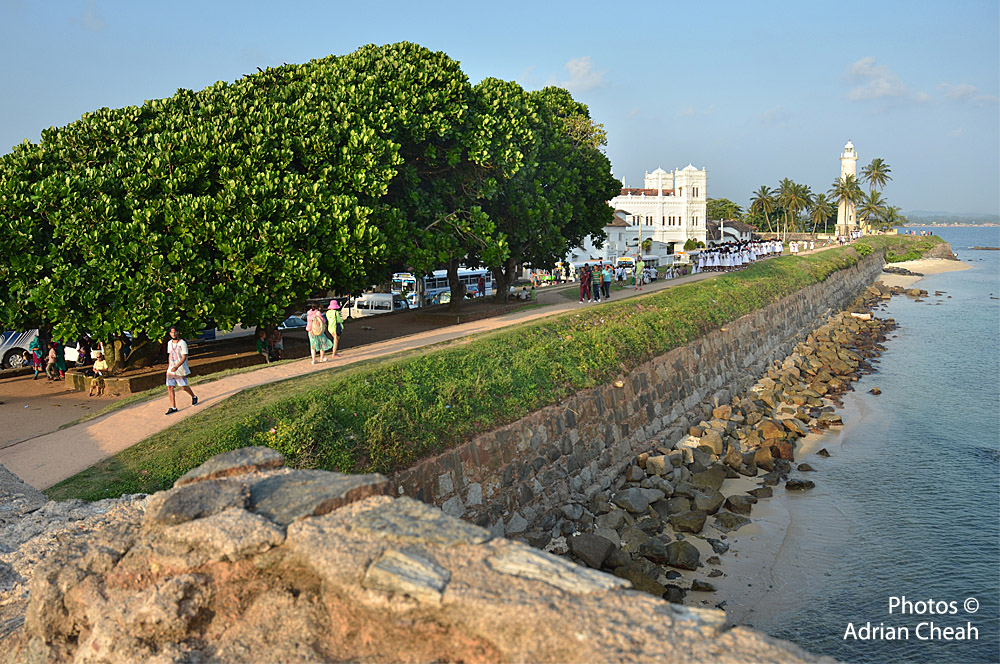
<point>900,539</point>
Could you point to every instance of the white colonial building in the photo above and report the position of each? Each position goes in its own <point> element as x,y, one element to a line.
<point>667,211</point>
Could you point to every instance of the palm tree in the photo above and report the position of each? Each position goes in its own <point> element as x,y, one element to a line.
<point>786,192</point>
<point>846,192</point>
<point>820,214</point>
<point>872,208</point>
<point>876,174</point>
<point>892,217</point>
<point>793,197</point>
<point>762,201</point>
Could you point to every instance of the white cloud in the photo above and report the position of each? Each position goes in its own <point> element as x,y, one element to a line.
<point>775,117</point>
<point>634,112</point>
<point>963,92</point>
<point>709,110</point>
<point>91,19</point>
<point>873,81</point>
<point>959,92</point>
<point>955,133</point>
<point>582,76</point>
<point>687,112</point>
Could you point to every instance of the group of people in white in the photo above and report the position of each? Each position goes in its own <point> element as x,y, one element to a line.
<point>850,237</point>
<point>735,255</point>
<point>795,247</point>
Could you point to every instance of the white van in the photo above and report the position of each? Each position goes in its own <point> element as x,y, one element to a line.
<point>373,304</point>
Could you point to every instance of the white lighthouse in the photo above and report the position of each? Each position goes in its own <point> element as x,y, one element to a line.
<point>847,215</point>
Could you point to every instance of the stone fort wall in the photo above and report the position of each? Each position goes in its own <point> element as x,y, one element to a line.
<point>515,478</point>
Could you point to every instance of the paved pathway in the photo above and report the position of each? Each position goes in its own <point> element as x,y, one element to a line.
<point>51,458</point>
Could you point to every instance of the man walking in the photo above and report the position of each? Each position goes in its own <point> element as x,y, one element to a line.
<point>177,369</point>
<point>640,271</point>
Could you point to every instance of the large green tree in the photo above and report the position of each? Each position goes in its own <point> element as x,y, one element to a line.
<point>455,143</point>
<point>722,208</point>
<point>231,204</point>
<point>560,195</point>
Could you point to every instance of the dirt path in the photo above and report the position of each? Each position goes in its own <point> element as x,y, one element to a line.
<point>50,458</point>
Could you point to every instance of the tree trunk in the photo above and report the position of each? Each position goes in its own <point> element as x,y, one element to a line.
<point>503,277</point>
<point>457,287</point>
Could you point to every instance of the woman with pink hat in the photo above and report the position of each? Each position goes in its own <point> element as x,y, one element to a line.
<point>318,341</point>
<point>335,324</point>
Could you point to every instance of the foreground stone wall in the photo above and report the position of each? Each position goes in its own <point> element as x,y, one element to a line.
<point>247,561</point>
<point>517,479</point>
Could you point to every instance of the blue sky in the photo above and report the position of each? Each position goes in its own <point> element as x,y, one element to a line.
<point>753,91</point>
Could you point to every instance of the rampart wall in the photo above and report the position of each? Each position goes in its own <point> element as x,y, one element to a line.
<point>513,480</point>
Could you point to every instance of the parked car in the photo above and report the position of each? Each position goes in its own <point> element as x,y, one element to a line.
<point>292,323</point>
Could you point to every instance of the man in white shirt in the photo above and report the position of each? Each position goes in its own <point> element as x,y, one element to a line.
<point>177,369</point>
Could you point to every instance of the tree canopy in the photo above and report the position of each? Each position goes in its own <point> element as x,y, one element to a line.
<point>238,202</point>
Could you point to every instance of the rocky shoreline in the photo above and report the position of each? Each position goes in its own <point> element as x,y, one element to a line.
<point>668,521</point>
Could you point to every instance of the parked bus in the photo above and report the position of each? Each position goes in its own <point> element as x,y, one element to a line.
<point>436,283</point>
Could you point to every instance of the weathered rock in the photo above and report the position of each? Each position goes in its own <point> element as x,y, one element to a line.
<point>237,462</point>
<point>688,522</point>
<point>715,573</point>
<point>723,412</point>
<point>674,594</point>
<point>654,549</point>
<point>830,419</point>
<point>682,555</point>
<point>632,538</point>
<point>640,580</point>
<point>591,549</point>
<point>702,586</point>
<point>709,479</point>
<point>806,468</point>
<point>799,485</point>
<point>712,440</point>
<point>634,474</point>
<point>231,535</point>
<point>412,521</point>
<point>823,453</point>
<point>302,493</point>
<point>634,500</point>
<point>408,573</point>
<point>613,519</point>
<point>718,546</point>
<point>733,458</point>
<point>761,492</point>
<point>709,501</point>
<point>762,458</point>
<point>727,521</point>
<point>796,426</point>
<point>784,449</point>
<point>769,430</point>
<point>658,465</point>
<point>196,500</point>
<point>875,390</point>
<point>740,504</point>
<point>528,563</point>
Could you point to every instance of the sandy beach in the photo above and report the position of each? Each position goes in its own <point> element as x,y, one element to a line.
<point>923,266</point>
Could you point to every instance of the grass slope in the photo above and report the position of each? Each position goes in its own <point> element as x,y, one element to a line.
<point>387,414</point>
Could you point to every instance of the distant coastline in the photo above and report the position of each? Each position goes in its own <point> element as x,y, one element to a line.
<point>950,224</point>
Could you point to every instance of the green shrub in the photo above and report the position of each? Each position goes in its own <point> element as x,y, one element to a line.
<point>863,249</point>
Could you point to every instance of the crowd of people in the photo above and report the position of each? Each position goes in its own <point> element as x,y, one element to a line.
<point>736,255</point>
